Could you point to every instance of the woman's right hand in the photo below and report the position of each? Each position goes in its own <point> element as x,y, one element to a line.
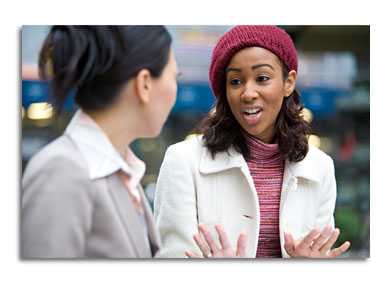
<point>211,250</point>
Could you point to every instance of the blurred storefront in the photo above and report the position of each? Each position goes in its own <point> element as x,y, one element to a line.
<point>333,80</point>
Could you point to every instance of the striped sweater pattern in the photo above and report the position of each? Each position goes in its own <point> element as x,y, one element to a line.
<point>266,167</point>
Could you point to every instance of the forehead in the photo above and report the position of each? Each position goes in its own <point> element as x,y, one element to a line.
<point>253,55</point>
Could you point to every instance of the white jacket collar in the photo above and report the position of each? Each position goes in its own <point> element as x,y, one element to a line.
<point>307,168</point>
<point>101,156</point>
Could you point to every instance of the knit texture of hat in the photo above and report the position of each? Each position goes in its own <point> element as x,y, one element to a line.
<point>272,38</point>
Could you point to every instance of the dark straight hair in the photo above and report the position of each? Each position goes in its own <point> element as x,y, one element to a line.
<point>96,61</point>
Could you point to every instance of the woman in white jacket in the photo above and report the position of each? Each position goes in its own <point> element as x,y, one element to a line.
<point>251,170</point>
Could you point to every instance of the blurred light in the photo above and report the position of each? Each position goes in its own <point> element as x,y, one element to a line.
<point>190,136</point>
<point>314,140</point>
<point>37,111</point>
<point>307,115</point>
<point>23,112</point>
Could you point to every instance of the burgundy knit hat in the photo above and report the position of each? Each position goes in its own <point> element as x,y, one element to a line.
<point>272,38</point>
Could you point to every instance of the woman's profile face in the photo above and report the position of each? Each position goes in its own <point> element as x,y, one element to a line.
<point>164,95</point>
<point>255,89</point>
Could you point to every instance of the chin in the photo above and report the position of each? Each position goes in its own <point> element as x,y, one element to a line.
<point>150,133</point>
<point>260,134</point>
<point>156,132</point>
<point>254,131</point>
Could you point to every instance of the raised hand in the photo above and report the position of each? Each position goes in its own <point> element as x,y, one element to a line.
<point>211,250</point>
<point>316,244</point>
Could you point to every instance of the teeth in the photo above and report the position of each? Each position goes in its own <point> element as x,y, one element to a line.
<point>252,111</point>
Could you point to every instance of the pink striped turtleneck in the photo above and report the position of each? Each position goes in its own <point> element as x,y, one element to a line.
<point>266,167</point>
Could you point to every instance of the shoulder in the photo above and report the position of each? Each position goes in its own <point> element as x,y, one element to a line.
<point>59,156</point>
<point>190,148</point>
<point>321,162</point>
<point>317,156</point>
<point>61,148</point>
<point>194,143</point>
<point>316,166</point>
<point>57,175</point>
<point>184,156</point>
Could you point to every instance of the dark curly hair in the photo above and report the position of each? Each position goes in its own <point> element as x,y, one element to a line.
<point>221,130</point>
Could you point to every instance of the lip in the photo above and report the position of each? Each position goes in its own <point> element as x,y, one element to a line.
<point>243,109</point>
<point>252,119</point>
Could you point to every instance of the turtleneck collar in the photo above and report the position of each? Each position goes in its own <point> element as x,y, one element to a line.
<point>260,151</point>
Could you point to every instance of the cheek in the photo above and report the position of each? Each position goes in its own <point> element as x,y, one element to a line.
<point>173,93</point>
<point>233,100</point>
<point>168,96</point>
<point>273,97</point>
<point>274,105</point>
<point>276,102</point>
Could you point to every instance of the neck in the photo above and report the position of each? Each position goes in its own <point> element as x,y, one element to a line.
<point>259,151</point>
<point>118,132</point>
<point>268,136</point>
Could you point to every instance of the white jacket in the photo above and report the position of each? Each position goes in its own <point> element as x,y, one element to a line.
<point>193,188</point>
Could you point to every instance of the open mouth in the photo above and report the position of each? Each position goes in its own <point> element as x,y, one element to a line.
<point>252,115</point>
<point>252,111</point>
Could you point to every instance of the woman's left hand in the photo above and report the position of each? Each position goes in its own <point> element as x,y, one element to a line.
<point>316,244</point>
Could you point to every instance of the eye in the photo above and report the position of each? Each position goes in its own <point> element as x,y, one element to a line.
<point>262,78</point>
<point>235,82</point>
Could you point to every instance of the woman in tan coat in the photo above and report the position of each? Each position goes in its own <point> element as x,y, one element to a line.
<point>81,193</point>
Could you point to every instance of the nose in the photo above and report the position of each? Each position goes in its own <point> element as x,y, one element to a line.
<point>249,93</point>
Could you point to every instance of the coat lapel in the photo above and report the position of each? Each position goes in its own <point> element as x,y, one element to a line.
<point>128,214</point>
<point>305,169</point>
<point>153,234</point>
<point>222,161</point>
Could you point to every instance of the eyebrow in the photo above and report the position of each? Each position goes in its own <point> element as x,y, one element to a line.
<point>253,67</point>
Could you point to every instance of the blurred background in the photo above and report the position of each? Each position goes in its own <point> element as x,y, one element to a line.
<point>333,79</point>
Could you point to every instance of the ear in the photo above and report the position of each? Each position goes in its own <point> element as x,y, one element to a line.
<point>289,83</point>
<point>143,85</point>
